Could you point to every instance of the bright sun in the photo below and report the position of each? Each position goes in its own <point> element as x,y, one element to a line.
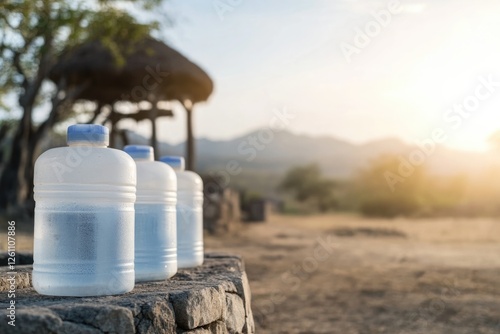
<point>447,76</point>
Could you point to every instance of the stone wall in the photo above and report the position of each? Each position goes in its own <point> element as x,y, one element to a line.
<point>214,298</point>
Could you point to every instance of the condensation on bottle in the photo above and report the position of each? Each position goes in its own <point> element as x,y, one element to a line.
<point>189,214</point>
<point>84,217</point>
<point>155,216</point>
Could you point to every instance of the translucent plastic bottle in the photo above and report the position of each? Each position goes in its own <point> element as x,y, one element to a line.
<point>189,214</point>
<point>84,217</point>
<point>155,217</point>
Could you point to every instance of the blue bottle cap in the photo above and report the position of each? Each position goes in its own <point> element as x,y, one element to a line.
<point>140,151</point>
<point>174,161</point>
<point>88,133</point>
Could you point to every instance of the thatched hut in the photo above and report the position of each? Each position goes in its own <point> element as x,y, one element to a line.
<point>147,70</point>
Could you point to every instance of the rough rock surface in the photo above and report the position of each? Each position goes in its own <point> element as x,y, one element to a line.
<point>214,298</point>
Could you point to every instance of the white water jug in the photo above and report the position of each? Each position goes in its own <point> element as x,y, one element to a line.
<point>84,217</point>
<point>155,217</point>
<point>189,214</point>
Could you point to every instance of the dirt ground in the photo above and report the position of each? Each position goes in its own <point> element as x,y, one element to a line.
<point>346,274</point>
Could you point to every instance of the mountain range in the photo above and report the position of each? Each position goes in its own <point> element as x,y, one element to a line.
<point>261,158</point>
<point>265,152</point>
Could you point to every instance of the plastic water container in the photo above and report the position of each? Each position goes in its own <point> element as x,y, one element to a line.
<point>84,217</point>
<point>155,217</point>
<point>189,214</point>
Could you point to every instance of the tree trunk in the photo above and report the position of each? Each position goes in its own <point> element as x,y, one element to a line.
<point>9,178</point>
<point>32,149</point>
<point>27,193</point>
<point>16,180</point>
<point>12,183</point>
<point>27,129</point>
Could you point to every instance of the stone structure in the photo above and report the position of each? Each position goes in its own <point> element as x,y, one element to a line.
<point>214,298</point>
<point>258,210</point>
<point>221,209</point>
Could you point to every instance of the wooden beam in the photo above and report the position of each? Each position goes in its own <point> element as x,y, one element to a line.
<point>141,115</point>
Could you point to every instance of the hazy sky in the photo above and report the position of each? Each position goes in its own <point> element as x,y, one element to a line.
<point>267,54</point>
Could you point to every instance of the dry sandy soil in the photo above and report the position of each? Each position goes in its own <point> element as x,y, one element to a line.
<point>346,274</point>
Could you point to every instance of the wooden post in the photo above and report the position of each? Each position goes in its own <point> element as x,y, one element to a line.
<point>152,116</point>
<point>112,131</point>
<point>190,138</point>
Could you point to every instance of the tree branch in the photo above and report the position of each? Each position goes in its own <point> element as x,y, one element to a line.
<point>57,102</point>
<point>97,112</point>
<point>16,60</point>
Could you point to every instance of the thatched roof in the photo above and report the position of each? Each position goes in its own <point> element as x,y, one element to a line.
<point>150,67</point>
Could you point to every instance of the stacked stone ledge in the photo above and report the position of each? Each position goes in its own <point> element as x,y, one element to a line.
<point>214,298</point>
